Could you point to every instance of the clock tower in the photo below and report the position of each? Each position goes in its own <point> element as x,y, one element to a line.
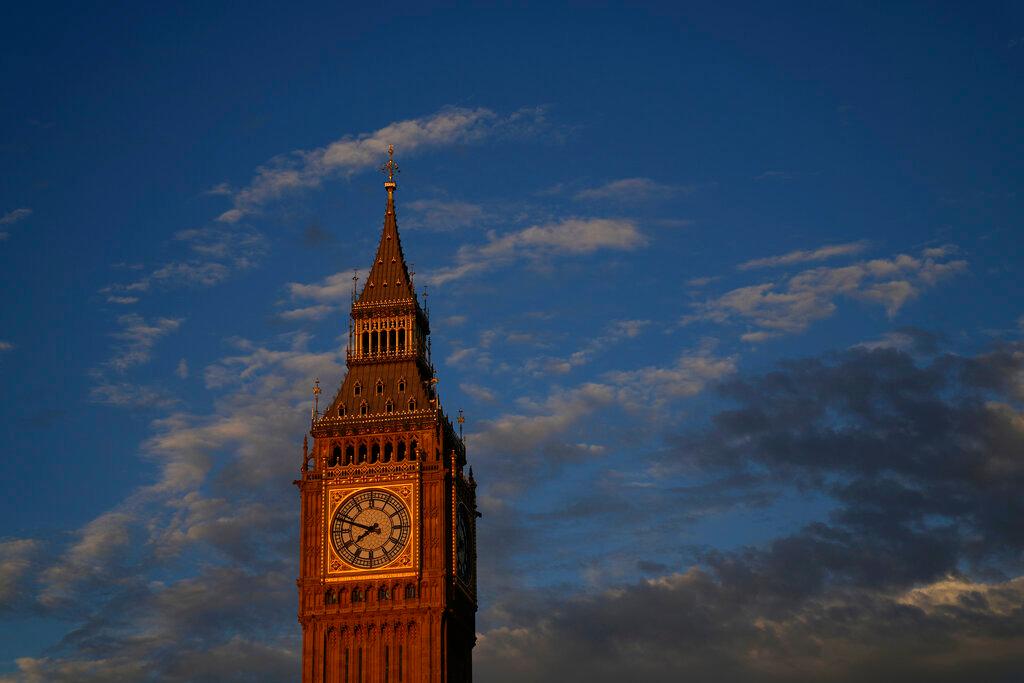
<point>387,544</point>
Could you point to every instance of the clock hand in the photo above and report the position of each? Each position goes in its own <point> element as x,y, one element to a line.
<point>355,523</point>
<point>375,529</point>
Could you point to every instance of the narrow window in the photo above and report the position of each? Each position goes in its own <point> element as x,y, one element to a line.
<point>389,407</point>
<point>366,343</point>
<point>357,389</point>
<point>412,450</point>
<point>401,340</point>
<point>363,410</point>
<point>401,451</point>
<point>362,453</point>
<point>349,454</point>
<point>380,388</point>
<point>391,341</point>
<point>375,453</point>
<point>341,410</point>
<point>401,386</point>
<point>388,449</point>
<point>373,342</point>
<point>355,595</point>
<point>382,593</point>
<point>335,457</point>
<point>410,591</point>
<point>412,404</point>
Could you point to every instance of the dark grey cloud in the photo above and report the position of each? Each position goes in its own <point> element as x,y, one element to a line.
<point>915,573</point>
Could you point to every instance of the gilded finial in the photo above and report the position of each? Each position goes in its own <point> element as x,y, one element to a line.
<point>390,168</point>
<point>461,420</point>
<point>316,398</point>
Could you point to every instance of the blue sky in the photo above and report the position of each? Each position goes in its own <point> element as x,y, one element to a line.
<point>730,296</point>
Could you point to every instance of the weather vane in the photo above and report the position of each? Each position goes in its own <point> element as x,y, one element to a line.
<point>462,421</point>
<point>391,168</point>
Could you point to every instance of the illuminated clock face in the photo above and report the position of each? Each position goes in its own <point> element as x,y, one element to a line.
<point>462,543</point>
<point>370,528</point>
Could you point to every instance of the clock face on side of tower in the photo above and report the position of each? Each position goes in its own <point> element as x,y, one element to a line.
<point>462,540</point>
<point>370,528</point>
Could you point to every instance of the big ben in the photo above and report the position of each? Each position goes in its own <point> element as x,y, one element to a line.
<point>387,583</point>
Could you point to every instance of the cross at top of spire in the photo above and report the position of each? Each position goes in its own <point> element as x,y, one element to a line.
<point>391,168</point>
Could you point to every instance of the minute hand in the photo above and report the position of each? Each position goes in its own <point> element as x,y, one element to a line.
<point>361,526</point>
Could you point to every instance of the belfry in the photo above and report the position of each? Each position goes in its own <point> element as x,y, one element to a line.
<point>387,547</point>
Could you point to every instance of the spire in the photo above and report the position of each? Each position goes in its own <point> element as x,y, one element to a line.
<point>388,279</point>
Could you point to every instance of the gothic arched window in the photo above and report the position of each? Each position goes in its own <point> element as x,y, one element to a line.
<point>387,452</point>
<point>401,386</point>
<point>412,404</point>
<point>410,591</point>
<point>362,453</point>
<point>341,410</point>
<point>401,451</point>
<point>389,407</point>
<point>363,408</point>
<point>382,593</point>
<point>357,389</point>
<point>335,456</point>
<point>380,388</point>
<point>349,454</point>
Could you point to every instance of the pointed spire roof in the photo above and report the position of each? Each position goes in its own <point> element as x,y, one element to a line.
<point>388,279</point>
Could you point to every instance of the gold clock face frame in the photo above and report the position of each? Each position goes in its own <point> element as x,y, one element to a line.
<point>370,528</point>
<point>398,557</point>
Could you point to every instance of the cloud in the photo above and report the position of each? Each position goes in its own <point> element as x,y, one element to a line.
<point>128,395</point>
<point>5,346</point>
<point>914,574</point>
<point>318,312</point>
<point>714,625</point>
<point>136,339</point>
<point>790,306</point>
<point>122,300</point>
<point>187,579</point>
<point>802,256</point>
<point>307,169</point>
<point>17,558</point>
<point>216,252</point>
<point>441,215</point>
<point>570,236</point>
<point>12,217</point>
<point>220,189</point>
<point>615,332</point>
<point>652,387</point>
<point>632,190</point>
<point>182,370</point>
<point>333,289</point>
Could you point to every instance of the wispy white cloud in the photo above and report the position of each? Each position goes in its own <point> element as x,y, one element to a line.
<point>129,395</point>
<point>632,190</point>
<point>333,289</point>
<point>570,236</point>
<point>12,217</point>
<point>220,189</point>
<point>317,312</point>
<point>17,557</point>
<point>182,370</point>
<point>136,339</point>
<point>441,215</point>
<point>307,169</point>
<point>6,346</point>
<point>788,307</point>
<point>617,331</point>
<point>653,387</point>
<point>122,300</point>
<point>215,253</point>
<point>806,256</point>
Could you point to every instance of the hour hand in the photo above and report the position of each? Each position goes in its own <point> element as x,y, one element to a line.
<point>369,530</point>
